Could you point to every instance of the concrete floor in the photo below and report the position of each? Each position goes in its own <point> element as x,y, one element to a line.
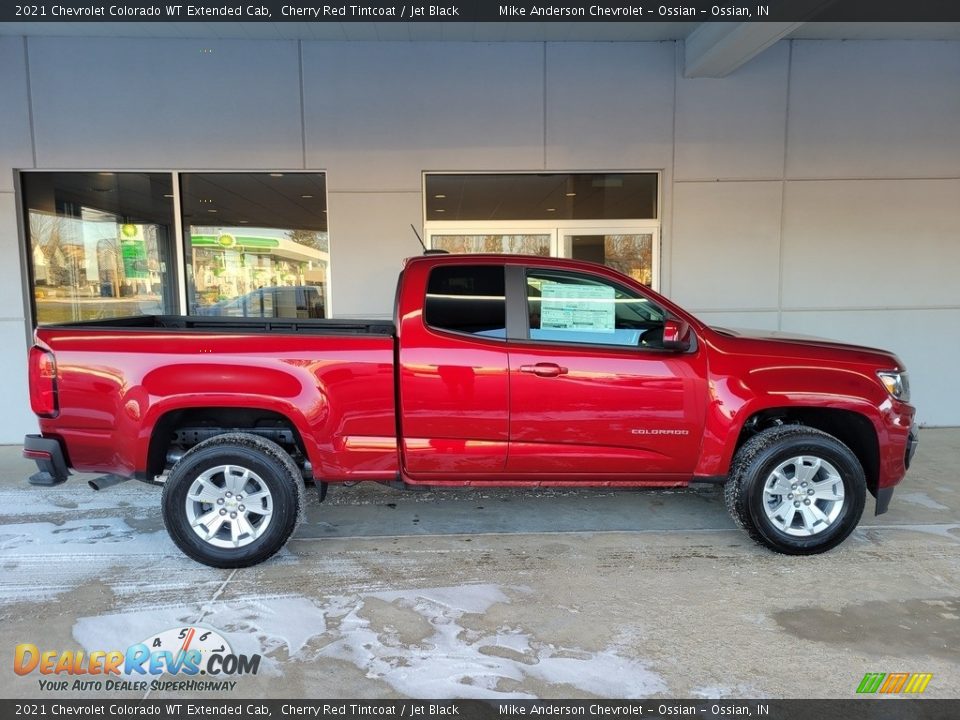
<point>501,593</point>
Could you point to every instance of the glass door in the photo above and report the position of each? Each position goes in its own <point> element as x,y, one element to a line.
<point>632,250</point>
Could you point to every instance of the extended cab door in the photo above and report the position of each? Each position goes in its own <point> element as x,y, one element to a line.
<point>453,378</point>
<point>593,392</point>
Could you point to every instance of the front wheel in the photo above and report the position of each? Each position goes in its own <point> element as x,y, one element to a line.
<point>233,500</point>
<point>796,490</point>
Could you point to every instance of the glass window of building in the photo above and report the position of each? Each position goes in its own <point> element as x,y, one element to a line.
<point>256,244</point>
<point>516,244</point>
<point>99,244</point>
<point>541,196</point>
<point>607,217</point>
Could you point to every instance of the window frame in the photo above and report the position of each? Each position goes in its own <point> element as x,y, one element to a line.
<point>25,242</point>
<point>185,257</point>
<point>178,277</point>
<point>518,313</point>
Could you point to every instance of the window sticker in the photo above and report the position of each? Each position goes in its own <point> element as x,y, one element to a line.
<point>569,307</point>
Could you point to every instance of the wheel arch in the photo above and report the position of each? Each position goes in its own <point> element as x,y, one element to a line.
<point>221,419</point>
<point>852,428</point>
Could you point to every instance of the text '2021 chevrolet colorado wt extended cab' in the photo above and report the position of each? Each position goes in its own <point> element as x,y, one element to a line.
<point>497,371</point>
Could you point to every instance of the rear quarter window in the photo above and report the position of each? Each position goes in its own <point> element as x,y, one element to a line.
<point>467,299</point>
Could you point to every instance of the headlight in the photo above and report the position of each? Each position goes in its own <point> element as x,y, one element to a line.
<point>896,383</point>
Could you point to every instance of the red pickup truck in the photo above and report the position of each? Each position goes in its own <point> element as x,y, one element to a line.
<point>497,371</point>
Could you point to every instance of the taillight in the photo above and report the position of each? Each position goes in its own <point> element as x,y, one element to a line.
<point>43,382</point>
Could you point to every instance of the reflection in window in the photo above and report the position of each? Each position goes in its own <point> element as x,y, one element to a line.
<point>574,308</point>
<point>515,244</point>
<point>257,244</point>
<point>540,196</point>
<point>99,244</point>
<point>631,254</point>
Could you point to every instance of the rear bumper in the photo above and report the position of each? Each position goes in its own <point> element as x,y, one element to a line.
<point>51,464</point>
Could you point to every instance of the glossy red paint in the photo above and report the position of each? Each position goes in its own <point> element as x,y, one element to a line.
<point>114,387</point>
<point>470,409</point>
<point>612,411</point>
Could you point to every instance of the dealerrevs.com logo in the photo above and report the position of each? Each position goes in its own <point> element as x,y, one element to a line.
<point>185,652</point>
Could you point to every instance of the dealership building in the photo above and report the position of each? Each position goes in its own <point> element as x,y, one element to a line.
<point>780,176</point>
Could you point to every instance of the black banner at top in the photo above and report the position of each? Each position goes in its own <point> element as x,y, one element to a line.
<point>632,11</point>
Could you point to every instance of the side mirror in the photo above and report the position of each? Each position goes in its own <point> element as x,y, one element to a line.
<point>676,335</point>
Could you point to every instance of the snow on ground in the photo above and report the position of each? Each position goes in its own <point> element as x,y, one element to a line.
<point>921,499</point>
<point>452,661</point>
<point>133,499</point>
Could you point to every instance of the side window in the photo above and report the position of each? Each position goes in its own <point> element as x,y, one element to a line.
<point>467,299</point>
<point>575,308</point>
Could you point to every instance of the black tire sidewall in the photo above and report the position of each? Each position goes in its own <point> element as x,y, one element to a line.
<point>274,475</point>
<point>826,448</point>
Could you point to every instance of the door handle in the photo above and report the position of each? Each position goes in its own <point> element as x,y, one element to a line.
<point>544,369</point>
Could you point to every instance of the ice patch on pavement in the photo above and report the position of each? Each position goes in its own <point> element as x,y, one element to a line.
<point>265,626</point>
<point>922,499</point>
<point>476,599</point>
<point>950,531</point>
<point>137,499</point>
<point>44,559</point>
<point>453,662</point>
<point>80,536</point>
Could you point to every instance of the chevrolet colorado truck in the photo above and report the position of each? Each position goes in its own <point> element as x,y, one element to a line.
<point>496,371</point>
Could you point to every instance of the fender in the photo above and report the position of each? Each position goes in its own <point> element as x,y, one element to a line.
<point>309,434</point>
<point>735,398</point>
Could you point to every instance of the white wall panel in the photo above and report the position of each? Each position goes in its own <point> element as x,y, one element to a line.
<point>871,243</point>
<point>378,114</point>
<point>609,105</point>
<point>15,149</point>
<point>726,244</point>
<point>369,238</point>
<point>874,109</point>
<point>738,320</point>
<point>734,127</point>
<point>142,103</point>
<point>927,341</point>
<point>17,419</point>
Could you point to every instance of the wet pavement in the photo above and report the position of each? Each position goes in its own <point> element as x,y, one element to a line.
<point>498,593</point>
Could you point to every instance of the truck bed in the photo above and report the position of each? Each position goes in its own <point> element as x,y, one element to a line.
<point>236,324</point>
<point>118,380</point>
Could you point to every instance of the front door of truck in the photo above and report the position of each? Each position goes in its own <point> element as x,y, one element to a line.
<point>454,383</point>
<point>592,391</point>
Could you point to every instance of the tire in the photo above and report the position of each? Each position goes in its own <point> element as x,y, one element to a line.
<point>203,500</point>
<point>806,517</point>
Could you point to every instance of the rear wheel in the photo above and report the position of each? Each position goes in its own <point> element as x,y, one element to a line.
<point>796,490</point>
<point>233,500</point>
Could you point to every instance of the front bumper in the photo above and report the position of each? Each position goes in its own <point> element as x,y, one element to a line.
<point>885,494</point>
<point>912,441</point>
<point>48,455</point>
